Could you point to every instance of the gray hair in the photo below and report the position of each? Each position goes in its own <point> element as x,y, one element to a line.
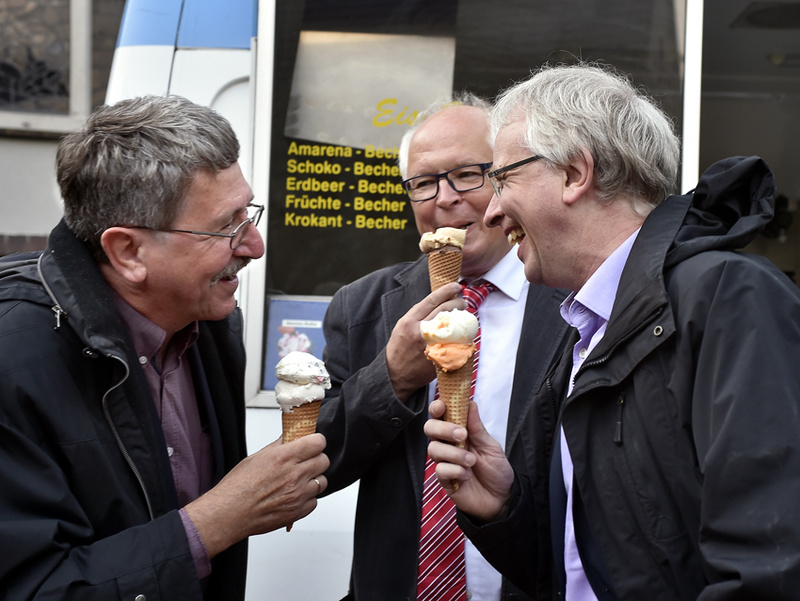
<point>633,143</point>
<point>457,99</point>
<point>133,162</point>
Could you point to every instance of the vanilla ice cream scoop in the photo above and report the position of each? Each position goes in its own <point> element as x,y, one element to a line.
<point>456,326</point>
<point>444,236</point>
<point>299,367</point>
<point>291,395</point>
<point>302,378</point>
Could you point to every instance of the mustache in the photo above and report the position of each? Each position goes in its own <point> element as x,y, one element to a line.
<point>231,270</point>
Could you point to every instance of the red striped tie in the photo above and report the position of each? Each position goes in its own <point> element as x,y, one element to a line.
<point>475,295</point>
<point>442,574</point>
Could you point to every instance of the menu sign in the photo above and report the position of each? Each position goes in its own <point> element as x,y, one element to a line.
<point>343,183</point>
<point>337,208</point>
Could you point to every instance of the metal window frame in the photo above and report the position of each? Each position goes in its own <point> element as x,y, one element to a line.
<point>80,81</point>
<point>692,91</point>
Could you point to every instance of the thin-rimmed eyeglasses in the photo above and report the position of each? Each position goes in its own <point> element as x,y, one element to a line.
<point>497,184</point>
<point>236,236</point>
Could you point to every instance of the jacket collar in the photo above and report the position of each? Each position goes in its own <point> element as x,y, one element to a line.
<point>641,301</point>
<point>71,274</point>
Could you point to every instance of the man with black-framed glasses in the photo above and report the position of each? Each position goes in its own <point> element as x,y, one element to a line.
<point>382,382</point>
<point>122,439</point>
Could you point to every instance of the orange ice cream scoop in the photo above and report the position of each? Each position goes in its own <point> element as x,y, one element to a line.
<point>449,356</point>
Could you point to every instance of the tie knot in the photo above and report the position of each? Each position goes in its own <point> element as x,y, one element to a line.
<point>475,294</point>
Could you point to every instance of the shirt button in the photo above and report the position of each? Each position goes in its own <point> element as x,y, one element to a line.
<point>140,598</point>
<point>582,353</point>
<point>469,595</point>
<point>142,361</point>
<point>170,451</point>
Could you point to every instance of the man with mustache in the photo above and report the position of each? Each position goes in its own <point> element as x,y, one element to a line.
<point>122,439</point>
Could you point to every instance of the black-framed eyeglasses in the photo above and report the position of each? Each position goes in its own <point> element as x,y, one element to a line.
<point>236,236</point>
<point>497,184</point>
<point>461,179</point>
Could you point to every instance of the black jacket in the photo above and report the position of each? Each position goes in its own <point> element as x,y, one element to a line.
<point>87,501</point>
<point>684,421</point>
<point>374,437</point>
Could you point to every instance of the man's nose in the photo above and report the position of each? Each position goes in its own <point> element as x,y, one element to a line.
<point>493,214</point>
<point>447,193</point>
<point>253,244</point>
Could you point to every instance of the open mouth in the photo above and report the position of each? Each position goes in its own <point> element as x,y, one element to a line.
<point>223,277</point>
<point>515,236</point>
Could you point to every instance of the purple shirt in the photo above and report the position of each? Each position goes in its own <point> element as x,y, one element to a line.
<point>587,310</point>
<point>169,378</point>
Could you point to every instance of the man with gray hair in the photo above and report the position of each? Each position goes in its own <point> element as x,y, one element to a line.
<point>122,441</point>
<point>382,383</point>
<point>662,454</point>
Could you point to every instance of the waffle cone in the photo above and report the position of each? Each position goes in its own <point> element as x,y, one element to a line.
<point>454,390</point>
<point>301,421</point>
<point>444,266</point>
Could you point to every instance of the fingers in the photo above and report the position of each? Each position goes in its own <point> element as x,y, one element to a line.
<point>453,462</point>
<point>445,298</point>
<point>320,483</point>
<point>306,447</point>
<point>436,429</point>
<point>436,409</point>
<point>308,453</point>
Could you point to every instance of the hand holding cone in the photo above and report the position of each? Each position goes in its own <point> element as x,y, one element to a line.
<point>451,354</point>
<point>302,381</point>
<point>450,346</point>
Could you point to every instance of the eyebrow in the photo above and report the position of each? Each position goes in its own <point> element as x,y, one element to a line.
<point>228,218</point>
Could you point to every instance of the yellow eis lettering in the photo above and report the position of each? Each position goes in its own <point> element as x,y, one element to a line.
<point>386,114</point>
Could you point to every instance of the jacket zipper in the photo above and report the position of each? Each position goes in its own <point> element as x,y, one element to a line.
<point>118,438</point>
<point>56,306</point>
<point>600,360</point>
<point>618,425</point>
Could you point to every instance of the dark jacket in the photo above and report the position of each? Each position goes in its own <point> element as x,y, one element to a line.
<point>374,437</point>
<point>684,422</point>
<point>88,505</point>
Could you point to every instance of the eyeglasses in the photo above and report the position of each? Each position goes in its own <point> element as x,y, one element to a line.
<point>236,236</point>
<point>497,184</point>
<point>461,179</point>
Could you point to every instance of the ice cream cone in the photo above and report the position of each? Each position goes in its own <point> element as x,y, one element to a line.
<point>443,248</point>
<point>444,266</point>
<point>300,421</point>
<point>454,391</point>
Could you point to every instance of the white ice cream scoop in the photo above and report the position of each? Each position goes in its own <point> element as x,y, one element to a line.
<point>456,326</point>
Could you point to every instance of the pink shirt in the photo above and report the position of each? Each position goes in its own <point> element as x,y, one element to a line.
<point>170,381</point>
<point>588,311</point>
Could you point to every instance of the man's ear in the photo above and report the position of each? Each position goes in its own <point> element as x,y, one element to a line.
<point>580,176</point>
<point>123,246</point>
